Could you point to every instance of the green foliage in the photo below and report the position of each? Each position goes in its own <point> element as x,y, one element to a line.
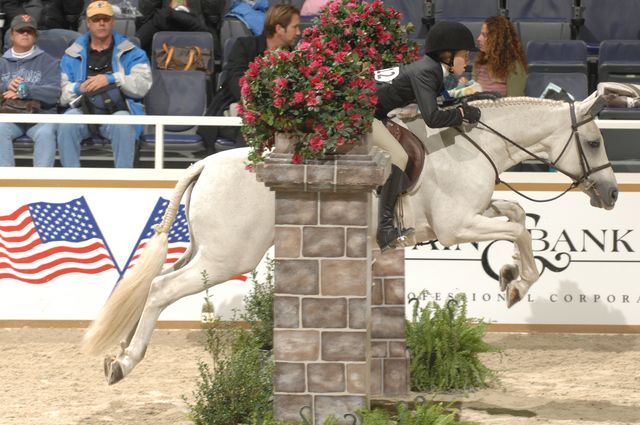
<point>238,387</point>
<point>259,307</point>
<point>444,346</point>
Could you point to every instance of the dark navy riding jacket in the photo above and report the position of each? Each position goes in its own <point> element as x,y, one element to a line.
<point>419,82</point>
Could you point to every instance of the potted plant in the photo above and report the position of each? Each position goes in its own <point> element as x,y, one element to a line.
<point>322,95</point>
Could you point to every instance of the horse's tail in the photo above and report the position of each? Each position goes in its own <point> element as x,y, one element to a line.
<point>124,308</point>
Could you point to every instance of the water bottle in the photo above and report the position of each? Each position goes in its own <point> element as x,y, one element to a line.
<point>21,91</point>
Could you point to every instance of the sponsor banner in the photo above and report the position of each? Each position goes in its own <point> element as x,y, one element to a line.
<point>62,251</point>
<point>588,259</point>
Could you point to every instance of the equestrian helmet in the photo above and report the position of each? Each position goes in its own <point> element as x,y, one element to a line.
<point>452,36</point>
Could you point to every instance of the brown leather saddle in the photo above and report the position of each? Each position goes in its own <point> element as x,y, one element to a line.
<point>414,148</point>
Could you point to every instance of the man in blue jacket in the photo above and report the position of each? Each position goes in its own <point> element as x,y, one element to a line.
<point>28,73</point>
<point>98,59</point>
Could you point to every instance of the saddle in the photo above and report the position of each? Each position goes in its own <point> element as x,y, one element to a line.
<point>414,148</point>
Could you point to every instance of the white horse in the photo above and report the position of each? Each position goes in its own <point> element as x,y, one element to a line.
<point>231,215</point>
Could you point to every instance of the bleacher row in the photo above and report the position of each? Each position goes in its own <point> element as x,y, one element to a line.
<point>573,43</point>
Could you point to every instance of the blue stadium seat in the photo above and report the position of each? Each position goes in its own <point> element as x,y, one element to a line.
<point>539,9</point>
<point>465,9</point>
<point>557,56</point>
<point>573,82</point>
<point>412,11</point>
<point>203,40</point>
<point>542,30</point>
<point>177,93</point>
<point>619,61</point>
<point>55,46</point>
<point>609,20</point>
<point>232,27</point>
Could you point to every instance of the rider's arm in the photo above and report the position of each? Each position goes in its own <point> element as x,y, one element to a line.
<point>425,86</point>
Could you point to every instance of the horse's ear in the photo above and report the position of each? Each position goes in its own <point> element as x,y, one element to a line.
<point>592,105</point>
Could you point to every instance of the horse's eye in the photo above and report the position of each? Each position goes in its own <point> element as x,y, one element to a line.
<point>593,143</point>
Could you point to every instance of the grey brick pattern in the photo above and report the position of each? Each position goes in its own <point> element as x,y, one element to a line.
<point>322,278</point>
<point>390,362</point>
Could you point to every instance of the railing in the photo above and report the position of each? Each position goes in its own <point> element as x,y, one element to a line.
<point>160,121</point>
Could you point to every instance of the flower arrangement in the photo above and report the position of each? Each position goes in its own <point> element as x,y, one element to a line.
<point>368,29</point>
<point>322,95</point>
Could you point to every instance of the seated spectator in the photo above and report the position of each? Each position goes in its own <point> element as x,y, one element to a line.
<point>500,65</point>
<point>251,13</point>
<point>100,58</point>
<point>312,7</point>
<point>28,73</point>
<point>168,15</point>
<point>281,30</point>
<point>54,17</point>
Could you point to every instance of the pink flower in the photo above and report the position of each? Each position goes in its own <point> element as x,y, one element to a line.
<point>245,90</point>
<point>312,100</point>
<point>249,117</point>
<point>298,97</point>
<point>316,143</point>
<point>279,101</point>
<point>281,82</point>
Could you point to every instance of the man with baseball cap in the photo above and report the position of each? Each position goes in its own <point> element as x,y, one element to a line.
<point>28,74</point>
<point>103,59</point>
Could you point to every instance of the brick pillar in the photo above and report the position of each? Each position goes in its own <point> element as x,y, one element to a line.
<point>322,280</point>
<point>389,358</point>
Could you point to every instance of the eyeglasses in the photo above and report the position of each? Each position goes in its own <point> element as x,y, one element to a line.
<point>96,19</point>
<point>25,30</point>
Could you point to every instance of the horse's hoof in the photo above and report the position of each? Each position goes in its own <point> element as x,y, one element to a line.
<point>113,371</point>
<point>513,296</point>
<point>508,273</point>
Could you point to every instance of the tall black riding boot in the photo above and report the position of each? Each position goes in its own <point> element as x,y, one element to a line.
<point>388,235</point>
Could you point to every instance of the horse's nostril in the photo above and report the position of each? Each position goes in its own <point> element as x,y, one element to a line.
<point>614,194</point>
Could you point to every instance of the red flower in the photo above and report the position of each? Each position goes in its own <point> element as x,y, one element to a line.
<point>316,143</point>
<point>281,82</point>
<point>296,158</point>
<point>339,125</point>
<point>279,101</point>
<point>312,100</point>
<point>249,117</point>
<point>298,97</point>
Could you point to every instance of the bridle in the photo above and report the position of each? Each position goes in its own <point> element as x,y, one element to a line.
<point>587,170</point>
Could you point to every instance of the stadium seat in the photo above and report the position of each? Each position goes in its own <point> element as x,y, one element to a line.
<point>573,82</point>
<point>177,93</point>
<point>542,30</point>
<point>609,20</point>
<point>619,61</point>
<point>411,10</point>
<point>557,56</point>
<point>232,27</point>
<point>203,40</point>
<point>55,46</point>
<point>539,9</point>
<point>465,9</point>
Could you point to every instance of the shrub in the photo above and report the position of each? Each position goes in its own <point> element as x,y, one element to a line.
<point>444,346</point>
<point>259,308</point>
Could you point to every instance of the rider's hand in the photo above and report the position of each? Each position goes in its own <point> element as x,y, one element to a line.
<point>405,113</point>
<point>470,114</point>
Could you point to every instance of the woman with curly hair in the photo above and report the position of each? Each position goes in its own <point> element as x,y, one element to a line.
<point>500,66</point>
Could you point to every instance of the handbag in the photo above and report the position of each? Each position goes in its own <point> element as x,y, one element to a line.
<point>20,106</point>
<point>106,100</point>
<point>192,58</point>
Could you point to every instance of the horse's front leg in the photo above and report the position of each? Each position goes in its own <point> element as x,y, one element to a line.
<point>515,214</point>
<point>165,290</point>
<point>484,228</point>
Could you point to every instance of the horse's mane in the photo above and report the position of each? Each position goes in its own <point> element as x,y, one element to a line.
<point>516,101</point>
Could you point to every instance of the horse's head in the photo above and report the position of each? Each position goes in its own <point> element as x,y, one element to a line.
<point>585,158</point>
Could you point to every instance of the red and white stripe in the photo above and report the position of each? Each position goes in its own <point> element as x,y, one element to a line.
<point>24,257</point>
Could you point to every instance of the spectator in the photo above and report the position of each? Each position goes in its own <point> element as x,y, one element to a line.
<point>28,73</point>
<point>98,59</point>
<point>54,17</point>
<point>312,7</point>
<point>500,66</point>
<point>168,15</point>
<point>281,30</point>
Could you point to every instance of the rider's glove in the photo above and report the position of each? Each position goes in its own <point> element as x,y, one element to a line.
<point>406,113</point>
<point>471,114</point>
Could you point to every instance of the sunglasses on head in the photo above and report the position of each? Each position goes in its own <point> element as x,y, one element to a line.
<point>96,19</point>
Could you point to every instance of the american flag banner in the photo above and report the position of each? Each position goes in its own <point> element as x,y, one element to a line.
<point>178,235</point>
<point>41,241</point>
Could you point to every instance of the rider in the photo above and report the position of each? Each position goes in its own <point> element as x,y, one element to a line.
<point>447,51</point>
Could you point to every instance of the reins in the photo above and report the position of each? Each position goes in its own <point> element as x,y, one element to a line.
<point>586,170</point>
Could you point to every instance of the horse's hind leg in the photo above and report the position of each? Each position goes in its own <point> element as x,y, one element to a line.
<point>165,289</point>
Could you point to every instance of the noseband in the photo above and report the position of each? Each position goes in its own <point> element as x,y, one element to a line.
<point>584,163</point>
